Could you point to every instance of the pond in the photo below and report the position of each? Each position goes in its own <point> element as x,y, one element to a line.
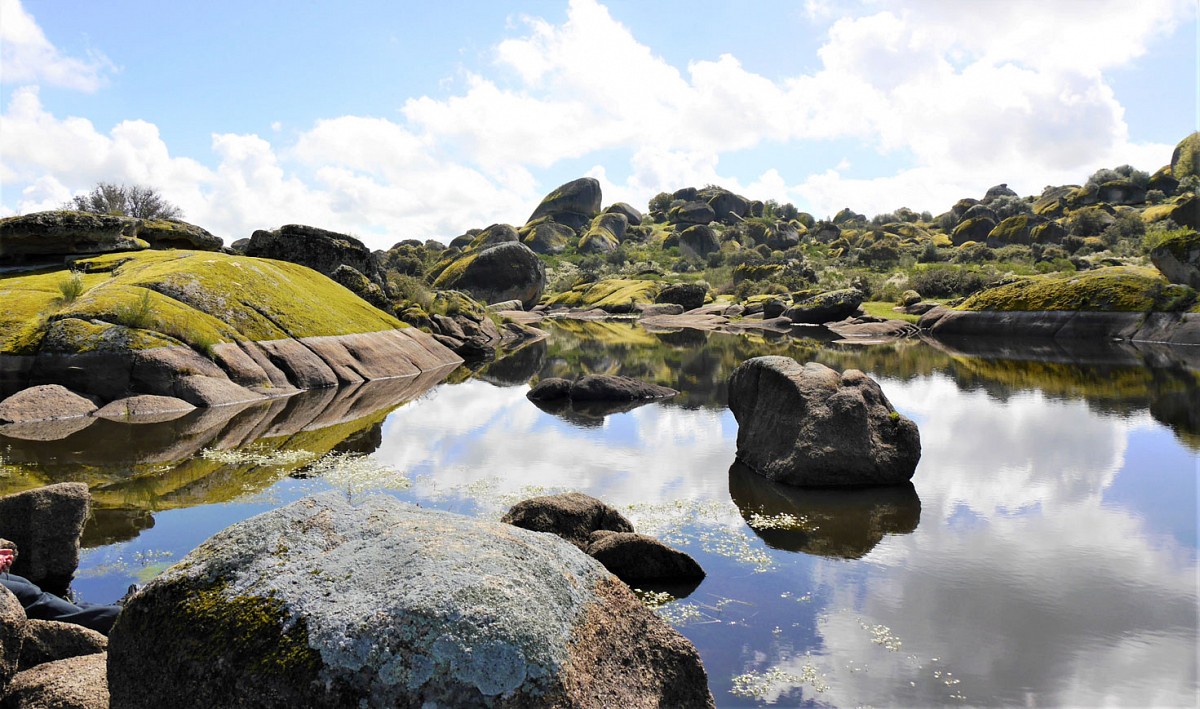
<point>1045,553</point>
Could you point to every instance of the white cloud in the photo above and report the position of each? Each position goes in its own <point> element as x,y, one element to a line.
<point>26,55</point>
<point>958,97</point>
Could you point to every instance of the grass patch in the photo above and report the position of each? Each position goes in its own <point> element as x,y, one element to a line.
<point>879,309</point>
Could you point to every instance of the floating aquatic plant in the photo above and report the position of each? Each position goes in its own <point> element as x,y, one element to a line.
<point>760,685</point>
<point>257,456</point>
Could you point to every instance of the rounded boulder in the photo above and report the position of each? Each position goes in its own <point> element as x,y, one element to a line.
<point>808,425</point>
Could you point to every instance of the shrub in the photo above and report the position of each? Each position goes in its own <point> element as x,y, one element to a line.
<point>141,315</point>
<point>411,289</point>
<point>131,201</point>
<point>947,281</point>
<point>1006,206</point>
<point>71,287</point>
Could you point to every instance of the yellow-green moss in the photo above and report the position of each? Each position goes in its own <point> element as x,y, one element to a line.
<point>255,629</point>
<point>880,309</point>
<point>1113,289</point>
<point>451,273</point>
<point>1185,160</point>
<point>615,295</point>
<point>198,298</point>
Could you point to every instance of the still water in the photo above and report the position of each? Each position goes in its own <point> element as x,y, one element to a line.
<point>1045,554</point>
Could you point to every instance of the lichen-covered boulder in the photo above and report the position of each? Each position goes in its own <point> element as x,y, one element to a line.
<point>546,236</point>
<point>573,204</point>
<point>172,234</point>
<point>1000,190</point>
<point>688,295</point>
<point>604,235</point>
<point>695,212</point>
<point>1185,159</point>
<point>326,604</point>
<point>505,271</point>
<point>807,425</point>
<point>826,307</point>
<point>728,207</point>
<point>699,240</point>
<point>613,295</point>
<point>1123,191</point>
<point>1178,257</point>
<point>319,249</point>
<point>631,214</point>
<point>74,683</point>
<point>1187,212</point>
<point>45,236</point>
<point>45,402</point>
<point>13,632</point>
<point>45,524</point>
<point>573,516</point>
<point>972,229</point>
<point>494,234</point>
<point>360,285</point>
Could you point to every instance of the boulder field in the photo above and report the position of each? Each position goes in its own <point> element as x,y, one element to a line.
<point>207,328</point>
<point>326,604</point>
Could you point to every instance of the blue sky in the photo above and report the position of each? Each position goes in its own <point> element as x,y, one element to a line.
<point>420,120</point>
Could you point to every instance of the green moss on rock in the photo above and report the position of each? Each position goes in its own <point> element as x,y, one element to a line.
<point>615,295</point>
<point>1185,160</point>
<point>1113,289</point>
<point>192,297</point>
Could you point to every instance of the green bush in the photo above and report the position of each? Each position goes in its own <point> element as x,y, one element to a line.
<point>948,281</point>
<point>71,287</point>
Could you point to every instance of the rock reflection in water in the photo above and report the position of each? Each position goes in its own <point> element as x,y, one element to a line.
<point>136,469</point>
<point>837,523</point>
<point>516,368</point>
<point>590,414</point>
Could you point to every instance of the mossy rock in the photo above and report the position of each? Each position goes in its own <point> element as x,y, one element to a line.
<point>756,271</point>
<point>151,298</point>
<point>614,295</point>
<point>1048,233</point>
<point>1110,289</point>
<point>1185,159</point>
<point>1178,257</point>
<point>1013,230</point>
<point>572,205</point>
<point>974,229</point>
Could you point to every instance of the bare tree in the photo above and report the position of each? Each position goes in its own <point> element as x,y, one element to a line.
<point>131,201</point>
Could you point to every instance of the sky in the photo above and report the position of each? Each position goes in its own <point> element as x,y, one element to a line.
<point>398,120</point>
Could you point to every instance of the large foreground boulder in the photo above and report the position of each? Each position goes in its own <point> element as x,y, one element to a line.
<point>325,604</point>
<point>46,524</point>
<point>807,425</point>
<point>505,271</point>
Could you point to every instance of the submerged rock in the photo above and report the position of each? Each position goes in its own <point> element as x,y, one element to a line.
<point>325,604</point>
<point>573,516</point>
<point>44,403</point>
<point>598,387</point>
<point>606,536</point>
<point>807,425</point>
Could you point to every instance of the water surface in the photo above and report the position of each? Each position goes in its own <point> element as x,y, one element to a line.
<point>1045,553</point>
